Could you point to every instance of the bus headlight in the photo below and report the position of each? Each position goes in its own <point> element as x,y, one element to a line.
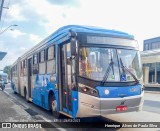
<point>88,90</point>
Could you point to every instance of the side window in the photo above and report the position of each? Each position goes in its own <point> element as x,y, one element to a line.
<point>51,65</point>
<point>42,65</point>
<point>35,59</point>
<point>50,53</point>
<point>15,71</point>
<point>35,64</point>
<point>25,67</point>
<point>42,56</point>
<point>21,68</point>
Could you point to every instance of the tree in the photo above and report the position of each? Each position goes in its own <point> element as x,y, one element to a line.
<point>7,69</point>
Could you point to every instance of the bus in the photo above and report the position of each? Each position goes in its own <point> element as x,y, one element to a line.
<point>4,77</point>
<point>82,71</point>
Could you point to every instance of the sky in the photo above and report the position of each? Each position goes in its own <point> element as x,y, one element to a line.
<point>37,19</point>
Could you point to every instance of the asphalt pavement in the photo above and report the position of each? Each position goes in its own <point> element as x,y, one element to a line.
<point>21,110</point>
<point>11,113</point>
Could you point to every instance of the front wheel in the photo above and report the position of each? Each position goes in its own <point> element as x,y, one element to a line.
<point>25,95</point>
<point>53,104</point>
<point>3,87</point>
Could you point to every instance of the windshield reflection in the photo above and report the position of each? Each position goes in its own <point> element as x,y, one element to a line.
<point>93,63</point>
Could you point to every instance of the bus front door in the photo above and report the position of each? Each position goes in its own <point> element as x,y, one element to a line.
<point>66,78</point>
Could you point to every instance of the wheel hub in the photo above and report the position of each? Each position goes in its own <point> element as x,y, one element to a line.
<point>54,105</point>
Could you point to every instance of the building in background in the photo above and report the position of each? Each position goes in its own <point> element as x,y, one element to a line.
<point>151,61</point>
<point>151,44</point>
<point>2,55</point>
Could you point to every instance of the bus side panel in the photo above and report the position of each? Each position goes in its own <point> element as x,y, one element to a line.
<point>33,79</point>
<point>35,98</point>
<point>74,103</point>
<point>38,85</point>
<point>14,84</point>
<point>23,84</point>
<point>41,91</point>
<point>25,79</point>
<point>50,86</point>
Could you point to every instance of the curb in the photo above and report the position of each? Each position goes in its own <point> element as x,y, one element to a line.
<point>153,92</point>
<point>34,117</point>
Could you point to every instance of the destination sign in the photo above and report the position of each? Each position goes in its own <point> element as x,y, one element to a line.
<point>111,41</point>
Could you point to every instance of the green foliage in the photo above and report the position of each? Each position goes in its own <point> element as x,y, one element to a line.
<point>7,69</point>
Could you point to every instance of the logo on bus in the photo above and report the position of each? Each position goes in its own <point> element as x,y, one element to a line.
<point>122,102</point>
<point>134,89</point>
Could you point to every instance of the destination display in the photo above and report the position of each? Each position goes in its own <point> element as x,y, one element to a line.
<point>111,41</point>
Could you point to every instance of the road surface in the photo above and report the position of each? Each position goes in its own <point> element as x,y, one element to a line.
<point>150,113</point>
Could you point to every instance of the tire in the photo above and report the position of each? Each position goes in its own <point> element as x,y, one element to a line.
<point>25,95</point>
<point>14,90</point>
<point>53,106</point>
<point>3,87</point>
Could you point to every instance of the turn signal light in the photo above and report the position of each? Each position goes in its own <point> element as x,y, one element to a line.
<point>84,89</point>
<point>142,89</point>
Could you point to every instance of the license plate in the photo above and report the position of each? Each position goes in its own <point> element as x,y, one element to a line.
<point>121,108</point>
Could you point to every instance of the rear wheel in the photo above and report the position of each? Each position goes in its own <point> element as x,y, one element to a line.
<point>15,92</point>
<point>13,87</point>
<point>53,106</point>
<point>2,87</point>
<point>25,95</point>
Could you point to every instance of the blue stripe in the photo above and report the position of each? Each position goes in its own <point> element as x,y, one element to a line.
<point>118,92</point>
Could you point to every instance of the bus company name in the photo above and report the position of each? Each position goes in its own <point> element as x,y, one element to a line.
<point>17,125</point>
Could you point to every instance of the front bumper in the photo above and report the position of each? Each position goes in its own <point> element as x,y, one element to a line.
<point>89,106</point>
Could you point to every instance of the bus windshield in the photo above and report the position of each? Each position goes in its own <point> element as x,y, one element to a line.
<point>93,63</point>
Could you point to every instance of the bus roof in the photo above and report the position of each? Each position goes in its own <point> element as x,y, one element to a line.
<point>78,29</point>
<point>91,29</point>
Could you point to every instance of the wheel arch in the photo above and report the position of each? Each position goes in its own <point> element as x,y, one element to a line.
<point>50,95</point>
<point>24,90</point>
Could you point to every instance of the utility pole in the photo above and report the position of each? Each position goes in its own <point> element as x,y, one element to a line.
<point>1,8</point>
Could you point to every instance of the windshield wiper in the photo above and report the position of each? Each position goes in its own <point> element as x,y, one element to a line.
<point>125,68</point>
<point>107,72</point>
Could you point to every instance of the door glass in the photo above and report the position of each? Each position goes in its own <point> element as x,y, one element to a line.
<point>67,77</point>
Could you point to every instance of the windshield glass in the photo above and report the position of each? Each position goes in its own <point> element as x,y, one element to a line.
<point>131,60</point>
<point>93,63</point>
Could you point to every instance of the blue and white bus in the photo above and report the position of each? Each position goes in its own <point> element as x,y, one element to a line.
<point>82,71</point>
